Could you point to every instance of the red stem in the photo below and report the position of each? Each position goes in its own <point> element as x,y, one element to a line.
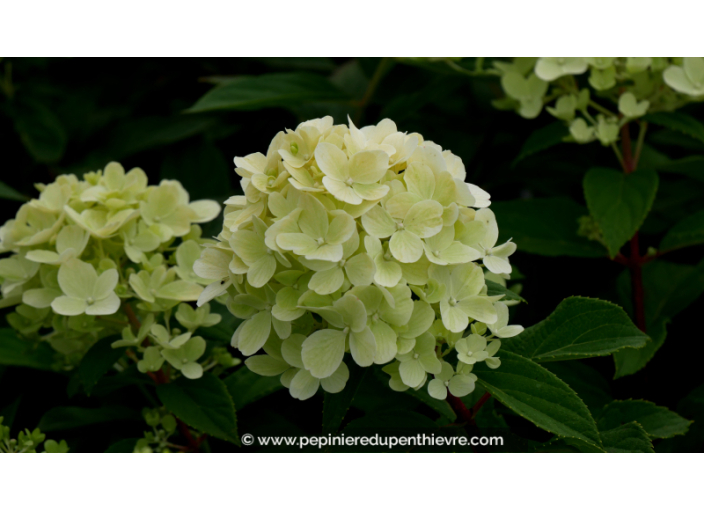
<point>635,262</point>
<point>465,415</point>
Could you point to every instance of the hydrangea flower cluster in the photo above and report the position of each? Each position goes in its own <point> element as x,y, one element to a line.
<point>362,241</point>
<point>108,255</point>
<point>633,85</point>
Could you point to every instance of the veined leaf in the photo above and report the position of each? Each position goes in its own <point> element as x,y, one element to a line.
<point>578,328</point>
<point>678,121</point>
<point>203,404</point>
<point>619,202</point>
<point>539,396</point>
<point>688,232</point>
<point>7,193</point>
<point>496,289</point>
<point>628,438</point>
<point>589,384</point>
<point>97,361</point>
<point>246,387</point>
<point>336,405</point>
<point>269,90</point>
<point>656,421</point>
<point>669,289</point>
<point>545,226</point>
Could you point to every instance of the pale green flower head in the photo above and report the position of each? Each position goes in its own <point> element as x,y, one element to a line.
<point>581,131</point>
<point>101,256</point>
<point>347,246</point>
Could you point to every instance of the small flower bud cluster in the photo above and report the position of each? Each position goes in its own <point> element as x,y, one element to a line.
<point>104,256</point>
<point>28,441</point>
<point>362,241</point>
<point>628,87</point>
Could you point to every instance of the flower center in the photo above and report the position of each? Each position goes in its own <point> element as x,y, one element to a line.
<point>452,301</point>
<point>90,300</point>
<point>294,148</point>
<point>320,241</point>
<point>349,181</point>
<point>399,225</point>
<point>416,356</point>
<point>436,253</point>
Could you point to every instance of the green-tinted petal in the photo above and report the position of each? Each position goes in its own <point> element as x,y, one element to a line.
<point>341,229</point>
<point>254,333</point>
<point>378,223</point>
<point>327,282</point>
<point>77,278</point>
<point>65,305</point>
<point>406,246</point>
<point>386,347</point>
<point>424,218</point>
<point>266,365</point>
<point>363,347</point>
<point>437,389</point>
<point>462,385</point>
<point>478,308</point>
<point>303,385</point>
<point>368,167</point>
<point>360,269</point>
<point>105,284</point>
<point>323,351</point>
<point>411,372</point>
<point>105,306</point>
<point>180,290</point>
<point>337,381</point>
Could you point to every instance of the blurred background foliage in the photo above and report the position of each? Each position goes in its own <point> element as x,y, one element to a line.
<point>186,119</point>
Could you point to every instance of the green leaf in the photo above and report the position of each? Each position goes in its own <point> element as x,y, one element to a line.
<point>619,202</point>
<point>669,289</point>
<point>285,90</point>
<point>246,387</point>
<point>496,289</point>
<point>41,132</point>
<point>542,139</point>
<point>539,396</point>
<point>687,232</point>
<point>628,438</point>
<point>7,193</point>
<point>578,328</point>
<point>97,361</point>
<point>657,421</point>
<point>545,226</point>
<point>18,352</point>
<point>691,166</point>
<point>123,446</point>
<point>678,121</point>
<point>589,384</point>
<point>336,405</point>
<point>62,418</point>
<point>203,404</point>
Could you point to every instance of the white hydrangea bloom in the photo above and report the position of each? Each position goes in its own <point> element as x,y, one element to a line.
<point>356,240</point>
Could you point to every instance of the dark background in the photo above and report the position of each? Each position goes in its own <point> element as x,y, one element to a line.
<point>76,115</point>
